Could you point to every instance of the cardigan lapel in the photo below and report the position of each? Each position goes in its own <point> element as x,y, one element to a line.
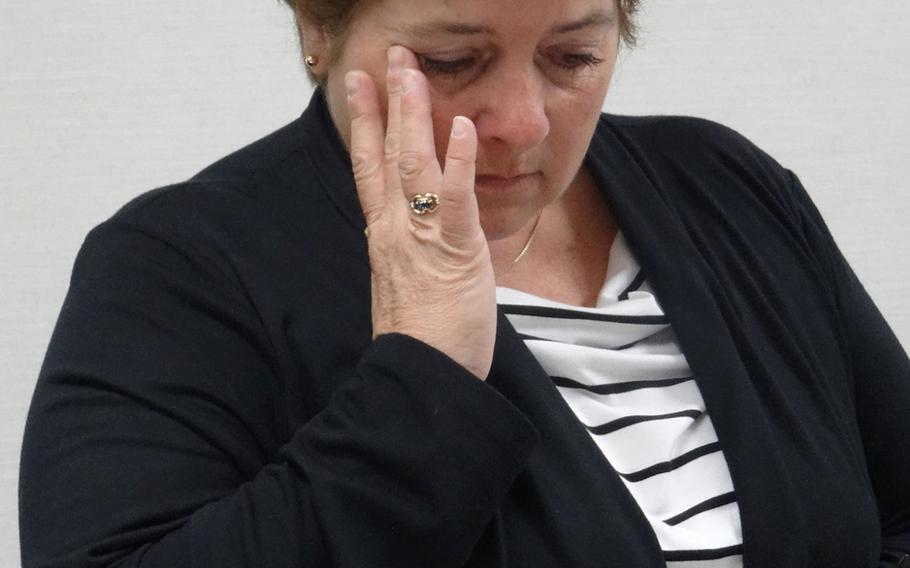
<point>582,497</point>
<point>329,159</point>
<point>773,530</point>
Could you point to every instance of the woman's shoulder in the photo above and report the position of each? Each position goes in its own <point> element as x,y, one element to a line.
<point>701,147</point>
<point>241,207</point>
<point>268,178</point>
<point>220,185</point>
<point>680,132</point>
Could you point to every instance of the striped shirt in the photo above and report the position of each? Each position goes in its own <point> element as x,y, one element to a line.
<point>620,369</point>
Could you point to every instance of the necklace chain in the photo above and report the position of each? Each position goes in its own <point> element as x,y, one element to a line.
<point>524,249</point>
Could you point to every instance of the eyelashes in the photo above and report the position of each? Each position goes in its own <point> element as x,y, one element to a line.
<point>444,66</point>
<point>453,67</point>
<point>579,60</point>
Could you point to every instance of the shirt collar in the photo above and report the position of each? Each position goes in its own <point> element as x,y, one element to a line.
<point>329,159</point>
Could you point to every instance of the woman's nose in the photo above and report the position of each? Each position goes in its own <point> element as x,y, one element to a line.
<point>515,114</point>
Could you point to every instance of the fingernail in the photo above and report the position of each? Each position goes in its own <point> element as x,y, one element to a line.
<point>350,84</point>
<point>396,57</point>
<point>459,127</point>
<point>407,80</point>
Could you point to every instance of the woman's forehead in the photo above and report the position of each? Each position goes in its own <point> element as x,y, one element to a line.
<point>489,16</point>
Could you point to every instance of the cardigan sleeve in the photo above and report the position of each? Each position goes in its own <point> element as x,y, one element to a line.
<point>881,376</point>
<point>149,440</point>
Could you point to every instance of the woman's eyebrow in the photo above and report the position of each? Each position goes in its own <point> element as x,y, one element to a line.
<point>429,29</point>
<point>597,18</point>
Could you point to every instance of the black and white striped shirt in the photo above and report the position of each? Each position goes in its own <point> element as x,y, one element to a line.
<point>620,369</point>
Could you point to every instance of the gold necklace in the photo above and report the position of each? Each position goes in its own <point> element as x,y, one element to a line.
<point>525,248</point>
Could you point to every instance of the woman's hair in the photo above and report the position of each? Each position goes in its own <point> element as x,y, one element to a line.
<point>333,16</point>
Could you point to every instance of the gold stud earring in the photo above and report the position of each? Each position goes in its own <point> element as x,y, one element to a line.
<point>311,61</point>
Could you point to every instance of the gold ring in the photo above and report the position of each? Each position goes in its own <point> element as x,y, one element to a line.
<point>424,203</point>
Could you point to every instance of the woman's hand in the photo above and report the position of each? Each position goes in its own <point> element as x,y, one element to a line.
<point>432,277</point>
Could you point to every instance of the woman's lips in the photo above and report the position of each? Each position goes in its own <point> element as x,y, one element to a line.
<point>502,182</point>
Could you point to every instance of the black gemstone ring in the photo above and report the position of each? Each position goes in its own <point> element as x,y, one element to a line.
<point>424,203</point>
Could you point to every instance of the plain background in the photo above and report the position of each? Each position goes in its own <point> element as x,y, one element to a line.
<point>102,100</point>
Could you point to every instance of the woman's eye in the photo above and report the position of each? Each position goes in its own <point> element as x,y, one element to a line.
<point>445,66</point>
<point>573,61</point>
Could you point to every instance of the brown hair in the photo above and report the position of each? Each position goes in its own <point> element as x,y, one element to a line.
<point>335,15</point>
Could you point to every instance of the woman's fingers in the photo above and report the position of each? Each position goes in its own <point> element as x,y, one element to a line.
<point>367,154</point>
<point>391,169</point>
<point>418,167</point>
<point>396,58</point>
<point>459,214</point>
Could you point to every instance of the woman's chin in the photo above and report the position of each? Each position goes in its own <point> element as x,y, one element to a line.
<point>506,205</point>
<point>502,223</point>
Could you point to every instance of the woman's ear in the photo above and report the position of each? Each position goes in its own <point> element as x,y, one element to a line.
<point>314,42</point>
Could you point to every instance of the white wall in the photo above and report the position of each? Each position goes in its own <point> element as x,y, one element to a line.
<point>101,100</point>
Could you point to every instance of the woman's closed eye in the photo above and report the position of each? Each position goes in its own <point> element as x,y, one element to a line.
<point>445,66</point>
<point>575,61</point>
<point>571,61</point>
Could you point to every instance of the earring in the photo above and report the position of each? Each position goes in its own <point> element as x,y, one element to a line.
<point>311,61</point>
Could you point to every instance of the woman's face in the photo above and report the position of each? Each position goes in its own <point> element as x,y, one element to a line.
<point>531,74</point>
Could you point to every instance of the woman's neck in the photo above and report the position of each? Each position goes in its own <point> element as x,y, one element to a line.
<point>567,260</point>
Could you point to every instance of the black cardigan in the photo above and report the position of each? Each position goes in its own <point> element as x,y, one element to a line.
<point>211,395</point>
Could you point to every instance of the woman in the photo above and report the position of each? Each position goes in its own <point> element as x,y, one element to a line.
<point>296,358</point>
